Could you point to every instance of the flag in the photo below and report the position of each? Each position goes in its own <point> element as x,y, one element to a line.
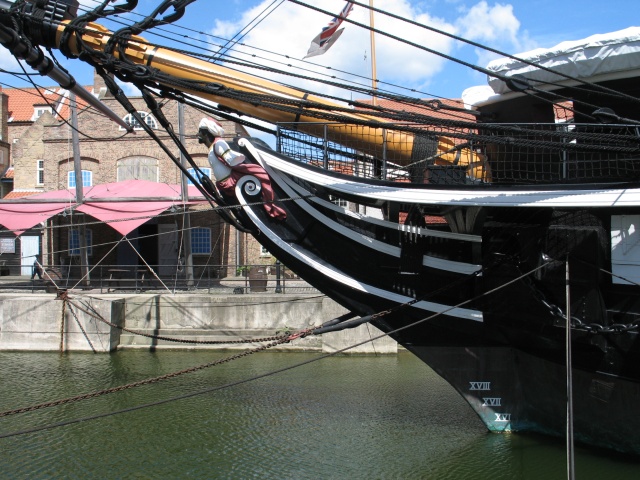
<point>329,34</point>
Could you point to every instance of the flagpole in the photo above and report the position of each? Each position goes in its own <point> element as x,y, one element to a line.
<point>374,80</point>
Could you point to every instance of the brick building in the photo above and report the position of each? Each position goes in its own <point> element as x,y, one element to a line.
<point>39,135</point>
<point>6,172</point>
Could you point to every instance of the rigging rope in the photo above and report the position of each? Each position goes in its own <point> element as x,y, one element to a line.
<point>290,337</point>
<point>150,22</point>
<point>125,69</point>
<point>485,71</point>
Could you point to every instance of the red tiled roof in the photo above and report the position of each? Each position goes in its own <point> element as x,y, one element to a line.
<point>563,111</point>
<point>20,194</point>
<point>65,112</point>
<point>21,102</point>
<point>8,173</point>
<point>441,113</point>
<point>434,220</point>
<point>335,166</point>
<point>429,219</point>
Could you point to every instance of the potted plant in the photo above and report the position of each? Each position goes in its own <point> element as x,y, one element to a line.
<point>242,270</point>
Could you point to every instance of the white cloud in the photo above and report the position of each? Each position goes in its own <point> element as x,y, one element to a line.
<point>495,26</point>
<point>290,30</point>
<point>128,88</point>
<point>485,23</point>
<point>9,62</point>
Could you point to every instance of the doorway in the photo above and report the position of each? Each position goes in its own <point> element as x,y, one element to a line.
<point>167,249</point>
<point>146,241</point>
<point>29,248</point>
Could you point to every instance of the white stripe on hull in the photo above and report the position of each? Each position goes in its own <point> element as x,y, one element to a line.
<point>508,197</point>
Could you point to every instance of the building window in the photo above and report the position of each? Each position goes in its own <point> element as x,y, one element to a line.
<point>87,179</point>
<point>39,172</point>
<point>74,242</point>
<point>201,241</point>
<point>146,117</point>
<point>338,201</point>
<point>264,252</point>
<point>205,170</point>
<point>138,168</point>
<point>39,111</point>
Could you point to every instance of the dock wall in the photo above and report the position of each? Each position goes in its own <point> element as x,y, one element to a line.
<point>34,322</point>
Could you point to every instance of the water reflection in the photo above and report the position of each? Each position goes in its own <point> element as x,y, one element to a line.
<point>342,417</point>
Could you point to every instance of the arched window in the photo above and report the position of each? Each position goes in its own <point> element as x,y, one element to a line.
<point>87,179</point>
<point>138,168</point>
<point>130,120</point>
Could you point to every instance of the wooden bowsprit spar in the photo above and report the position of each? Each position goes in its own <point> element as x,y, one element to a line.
<point>55,25</point>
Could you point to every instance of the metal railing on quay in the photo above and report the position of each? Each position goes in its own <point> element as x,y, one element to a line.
<point>225,279</point>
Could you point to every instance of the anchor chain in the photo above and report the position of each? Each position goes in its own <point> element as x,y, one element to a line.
<point>81,327</point>
<point>577,323</point>
<point>290,336</point>
<point>285,339</point>
<point>149,381</point>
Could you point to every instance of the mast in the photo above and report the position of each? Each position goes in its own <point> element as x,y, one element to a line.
<point>374,79</point>
<point>186,216</point>
<point>77,168</point>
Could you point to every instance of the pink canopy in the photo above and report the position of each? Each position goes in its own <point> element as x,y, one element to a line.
<point>116,214</point>
<point>122,205</point>
<point>20,217</point>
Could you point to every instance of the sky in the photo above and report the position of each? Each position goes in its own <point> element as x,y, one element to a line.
<point>511,26</point>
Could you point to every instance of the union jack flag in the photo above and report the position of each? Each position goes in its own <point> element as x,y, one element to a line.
<point>329,34</point>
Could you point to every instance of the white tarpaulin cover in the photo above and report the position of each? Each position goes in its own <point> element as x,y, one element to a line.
<point>596,55</point>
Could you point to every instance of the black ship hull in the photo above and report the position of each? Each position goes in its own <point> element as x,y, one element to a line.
<point>536,183</point>
<point>484,309</point>
<point>512,390</point>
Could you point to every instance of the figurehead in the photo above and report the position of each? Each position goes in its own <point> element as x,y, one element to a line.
<point>208,130</point>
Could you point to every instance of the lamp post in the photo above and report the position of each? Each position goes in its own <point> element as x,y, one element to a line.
<point>278,288</point>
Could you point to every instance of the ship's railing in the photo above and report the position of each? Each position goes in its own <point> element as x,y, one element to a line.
<point>323,148</point>
<point>553,153</point>
<point>563,153</point>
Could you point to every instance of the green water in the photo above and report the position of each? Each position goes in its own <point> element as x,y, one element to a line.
<point>339,418</point>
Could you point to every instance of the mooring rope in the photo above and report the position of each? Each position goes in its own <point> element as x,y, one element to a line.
<point>293,336</point>
<point>238,382</point>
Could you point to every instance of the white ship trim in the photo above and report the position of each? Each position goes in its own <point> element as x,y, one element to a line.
<point>338,276</point>
<point>512,197</point>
